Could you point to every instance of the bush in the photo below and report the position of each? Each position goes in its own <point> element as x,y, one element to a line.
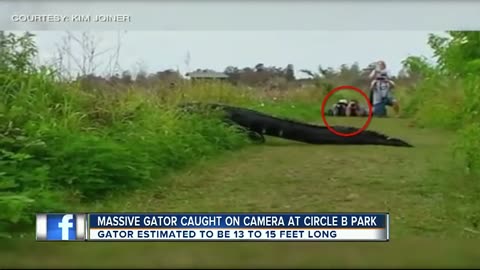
<point>59,144</point>
<point>467,147</point>
<point>448,95</point>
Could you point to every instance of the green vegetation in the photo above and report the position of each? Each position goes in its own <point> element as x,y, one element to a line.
<point>61,145</point>
<point>448,97</point>
<point>67,147</point>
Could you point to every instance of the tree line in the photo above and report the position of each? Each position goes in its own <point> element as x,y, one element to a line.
<point>256,76</point>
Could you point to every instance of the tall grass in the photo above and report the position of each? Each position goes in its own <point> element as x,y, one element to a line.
<point>59,144</point>
<point>62,142</point>
<point>444,102</point>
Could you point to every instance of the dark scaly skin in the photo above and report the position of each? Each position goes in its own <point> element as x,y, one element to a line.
<point>258,124</point>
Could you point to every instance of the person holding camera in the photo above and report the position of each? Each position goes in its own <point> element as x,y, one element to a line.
<point>381,90</point>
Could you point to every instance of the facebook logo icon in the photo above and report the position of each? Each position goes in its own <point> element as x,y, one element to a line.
<point>60,227</point>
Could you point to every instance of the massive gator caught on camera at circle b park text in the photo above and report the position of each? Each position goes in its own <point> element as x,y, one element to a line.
<point>257,124</point>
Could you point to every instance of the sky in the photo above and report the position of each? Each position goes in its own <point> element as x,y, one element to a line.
<point>188,50</point>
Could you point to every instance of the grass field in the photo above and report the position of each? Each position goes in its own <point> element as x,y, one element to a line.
<point>428,197</point>
<point>91,145</point>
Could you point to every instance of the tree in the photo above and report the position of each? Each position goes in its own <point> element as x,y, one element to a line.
<point>309,73</point>
<point>259,67</point>
<point>290,73</point>
<point>80,54</point>
<point>417,67</point>
<point>141,77</point>
<point>17,52</point>
<point>458,53</point>
<point>231,70</point>
<point>126,77</point>
<point>2,38</point>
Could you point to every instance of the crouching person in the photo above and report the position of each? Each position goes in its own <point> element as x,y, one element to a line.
<point>355,109</point>
<point>339,108</point>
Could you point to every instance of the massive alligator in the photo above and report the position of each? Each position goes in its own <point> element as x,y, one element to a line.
<point>258,124</point>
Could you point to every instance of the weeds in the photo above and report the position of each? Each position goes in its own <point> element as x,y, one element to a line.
<point>449,96</point>
<point>59,143</point>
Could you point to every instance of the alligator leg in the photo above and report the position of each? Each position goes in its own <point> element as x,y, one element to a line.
<point>252,135</point>
<point>256,137</point>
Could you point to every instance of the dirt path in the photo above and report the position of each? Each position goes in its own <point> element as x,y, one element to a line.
<point>410,183</point>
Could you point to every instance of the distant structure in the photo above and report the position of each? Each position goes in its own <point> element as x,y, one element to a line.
<point>206,75</point>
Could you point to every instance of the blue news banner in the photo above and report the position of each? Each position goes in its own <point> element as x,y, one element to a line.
<point>213,227</point>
